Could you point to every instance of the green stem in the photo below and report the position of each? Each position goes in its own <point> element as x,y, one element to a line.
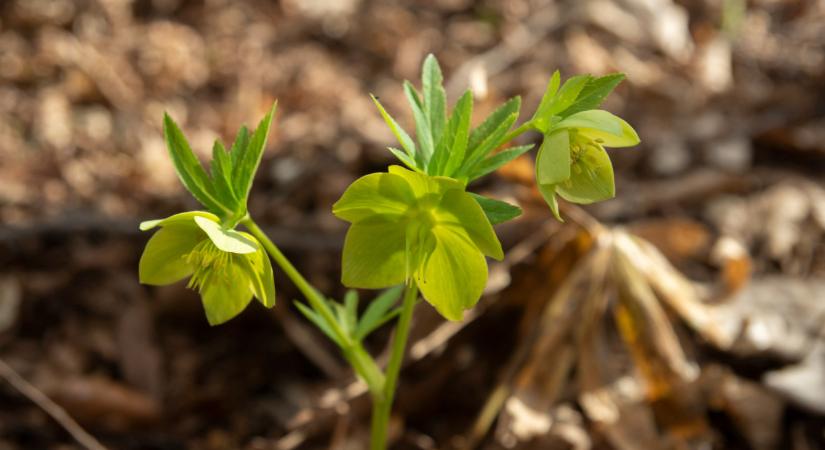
<point>382,407</point>
<point>525,127</point>
<point>356,356</point>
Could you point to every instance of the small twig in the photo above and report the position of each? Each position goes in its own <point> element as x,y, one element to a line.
<point>51,408</point>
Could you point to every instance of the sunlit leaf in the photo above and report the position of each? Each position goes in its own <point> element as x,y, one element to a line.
<point>501,158</point>
<point>243,172</point>
<point>376,312</point>
<point>594,93</point>
<point>189,169</point>
<point>423,133</point>
<point>435,99</point>
<point>403,138</point>
<point>316,320</point>
<point>496,211</point>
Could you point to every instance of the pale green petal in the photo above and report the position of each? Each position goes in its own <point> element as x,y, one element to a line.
<point>374,254</point>
<point>163,261</point>
<point>377,193</point>
<point>591,178</point>
<point>553,159</point>
<point>548,191</point>
<point>422,184</point>
<point>595,119</point>
<point>258,269</point>
<point>458,209</point>
<point>227,240</point>
<point>180,219</point>
<point>611,130</point>
<point>454,274</point>
<point>225,295</point>
<point>628,138</point>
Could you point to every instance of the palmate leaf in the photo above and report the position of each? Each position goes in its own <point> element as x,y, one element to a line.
<point>225,189</point>
<point>249,157</point>
<point>316,320</point>
<point>239,145</point>
<point>548,97</point>
<point>423,133</point>
<point>403,138</point>
<point>462,115</point>
<point>221,170</point>
<point>435,98</point>
<point>494,162</point>
<point>189,169</point>
<point>493,122</point>
<point>496,211</point>
<point>404,158</point>
<point>378,312</point>
<point>560,101</point>
<point>449,152</point>
<point>594,93</point>
<point>493,141</point>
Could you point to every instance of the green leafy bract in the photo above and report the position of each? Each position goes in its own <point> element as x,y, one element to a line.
<point>412,226</point>
<point>445,144</point>
<point>225,189</point>
<point>496,211</point>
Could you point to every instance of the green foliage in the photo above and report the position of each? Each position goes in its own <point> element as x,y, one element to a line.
<point>412,226</point>
<point>496,211</point>
<point>571,160</point>
<point>225,189</point>
<point>445,144</point>
<point>227,267</point>
<point>381,310</point>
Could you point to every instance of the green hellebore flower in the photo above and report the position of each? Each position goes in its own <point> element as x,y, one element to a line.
<point>572,161</point>
<point>408,225</point>
<point>228,267</point>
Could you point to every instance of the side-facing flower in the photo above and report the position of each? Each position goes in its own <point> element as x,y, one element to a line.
<point>227,267</point>
<point>411,226</point>
<point>572,161</point>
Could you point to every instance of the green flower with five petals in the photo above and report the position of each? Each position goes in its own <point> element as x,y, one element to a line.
<point>412,226</point>
<point>572,161</point>
<point>227,267</point>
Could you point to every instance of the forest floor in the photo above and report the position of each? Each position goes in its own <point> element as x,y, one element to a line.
<point>587,338</point>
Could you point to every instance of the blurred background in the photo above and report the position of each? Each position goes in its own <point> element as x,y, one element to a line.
<point>588,338</point>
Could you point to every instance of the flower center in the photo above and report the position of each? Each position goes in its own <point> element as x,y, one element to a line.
<point>209,263</point>
<point>582,151</point>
